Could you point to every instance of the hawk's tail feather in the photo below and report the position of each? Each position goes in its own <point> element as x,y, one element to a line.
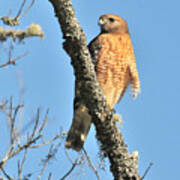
<point>79,129</point>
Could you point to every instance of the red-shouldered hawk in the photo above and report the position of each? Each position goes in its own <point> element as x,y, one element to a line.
<point>115,66</point>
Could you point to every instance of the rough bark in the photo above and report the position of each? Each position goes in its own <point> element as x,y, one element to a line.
<point>122,164</point>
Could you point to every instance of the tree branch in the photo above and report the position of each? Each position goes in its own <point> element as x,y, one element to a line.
<point>32,30</point>
<point>123,164</point>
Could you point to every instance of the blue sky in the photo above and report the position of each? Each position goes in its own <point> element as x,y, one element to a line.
<point>150,123</point>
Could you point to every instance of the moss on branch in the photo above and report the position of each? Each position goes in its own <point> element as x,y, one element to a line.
<point>32,30</point>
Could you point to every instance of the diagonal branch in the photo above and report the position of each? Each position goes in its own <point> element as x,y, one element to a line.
<point>123,165</point>
<point>91,164</point>
<point>13,61</point>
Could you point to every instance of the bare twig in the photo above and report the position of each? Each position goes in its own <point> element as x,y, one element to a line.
<point>21,165</point>
<point>46,161</point>
<point>49,141</point>
<point>16,146</point>
<point>29,7</point>
<point>50,175</point>
<point>19,149</point>
<point>44,122</point>
<point>21,8</point>
<point>79,160</point>
<point>52,152</point>
<point>13,61</point>
<point>91,164</point>
<point>36,123</point>
<point>6,175</point>
<point>19,170</point>
<point>147,170</point>
<point>67,155</point>
<point>71,169</point>
<point>11,121</point>
<point>11,114</point>
<point>13,21</point>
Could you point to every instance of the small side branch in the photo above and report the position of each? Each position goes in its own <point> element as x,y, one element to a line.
<point>74,164</point>
<point>21,165</point>
<point>13,61</point>
<point>91,164</point>
<point>16,145</point>
<point>6,174</point>
<point>46,161</point>
<point>147,170</point>
<point>14,21</point>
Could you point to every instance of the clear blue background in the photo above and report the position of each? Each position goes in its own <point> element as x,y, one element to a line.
<point>150,123</point>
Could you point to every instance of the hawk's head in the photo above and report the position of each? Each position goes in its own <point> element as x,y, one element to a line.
<point>110,23</point>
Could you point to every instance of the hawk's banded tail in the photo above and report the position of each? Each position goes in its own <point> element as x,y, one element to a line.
<point>79,129</point>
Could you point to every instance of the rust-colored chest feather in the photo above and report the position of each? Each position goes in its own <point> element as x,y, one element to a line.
<point>114,57</point>
<point>112,67</point>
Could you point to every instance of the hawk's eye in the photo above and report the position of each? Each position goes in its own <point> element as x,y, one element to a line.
<point>111,19</point>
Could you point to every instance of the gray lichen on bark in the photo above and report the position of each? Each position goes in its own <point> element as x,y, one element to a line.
<point>123,165</point>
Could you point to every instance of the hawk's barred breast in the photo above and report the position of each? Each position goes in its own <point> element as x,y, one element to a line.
<point>112,54</point>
